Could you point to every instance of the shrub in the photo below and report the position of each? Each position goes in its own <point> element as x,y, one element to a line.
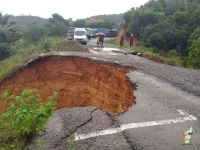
<point>172,53</point>
<point>25,115</point>
<point>34,33</point>
<point>5,51</point>
<point>193,59</point>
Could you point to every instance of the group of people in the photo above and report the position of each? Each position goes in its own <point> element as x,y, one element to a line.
<point>130,41</point>
<point>100,40</point>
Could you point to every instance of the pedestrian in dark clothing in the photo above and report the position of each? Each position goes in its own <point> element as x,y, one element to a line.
<point>122,41</point>
<point>89,37</point>
<point>101,39</point>
<point>131,41</point>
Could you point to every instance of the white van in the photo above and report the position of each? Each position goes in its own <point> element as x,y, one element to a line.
<point>80,35</point>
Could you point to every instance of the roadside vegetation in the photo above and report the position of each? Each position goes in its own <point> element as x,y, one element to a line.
<point>170,58</point>
<point>25,51</point>
<point>17,47</point>
<point>167,27</point>
<point>168,31</point>
<point>25,115</point>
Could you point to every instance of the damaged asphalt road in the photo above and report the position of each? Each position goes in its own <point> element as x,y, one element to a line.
<point>167,105</point>
<point>79,120</point>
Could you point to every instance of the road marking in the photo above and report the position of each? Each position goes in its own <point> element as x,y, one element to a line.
<point>136,125</point>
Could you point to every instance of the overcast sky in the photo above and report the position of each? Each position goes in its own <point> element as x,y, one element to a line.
<point>75,9</point>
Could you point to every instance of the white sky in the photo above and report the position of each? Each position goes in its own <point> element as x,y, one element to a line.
<point>75,9</point>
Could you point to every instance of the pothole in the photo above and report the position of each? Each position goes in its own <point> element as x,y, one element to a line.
<point>79,82</point>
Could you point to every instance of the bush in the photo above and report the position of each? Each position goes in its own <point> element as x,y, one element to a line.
<point>161,36</point>
<point>194,36</point>
<point>57,29</point>
<point>34,33</point>
<point>12,36</point>
<point>172,53</point>
<point>5,51</point>
<point>193,60</point>
<point>25,115</point>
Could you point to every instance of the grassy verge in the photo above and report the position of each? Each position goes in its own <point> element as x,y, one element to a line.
<point>25,51</point>
<point>70,45</point>
<point>148,53</point>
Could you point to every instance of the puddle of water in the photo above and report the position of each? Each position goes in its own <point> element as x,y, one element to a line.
<point>107,49</point>
<point>98,52</point>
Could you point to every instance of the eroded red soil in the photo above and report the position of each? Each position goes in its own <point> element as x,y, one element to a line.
<point>78,81</point>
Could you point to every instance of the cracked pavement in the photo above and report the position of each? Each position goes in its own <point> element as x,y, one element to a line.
<point>78,120</point>
<point>161,91</point>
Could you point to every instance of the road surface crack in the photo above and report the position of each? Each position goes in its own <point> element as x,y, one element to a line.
<point>68,135</point>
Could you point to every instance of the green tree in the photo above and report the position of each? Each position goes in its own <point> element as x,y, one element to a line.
<point>3,22</point>
<point>4,46</point>
<point>127,17</point>
<point>194,36</point>
<point>34,32</point>
<point>161,36</point>
<point>3,19</point>
<point>182,15</point>
<point>8,32</point>
<point>5,51</point>
<point>80,23</point>
<point>141,18</point>
<point>194,55</point>
<point>58,18</point>
<point>56,29</point>
<point>180,21</point>
<point>57,25</point>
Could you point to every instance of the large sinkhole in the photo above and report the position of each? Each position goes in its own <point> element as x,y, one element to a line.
<point>79,82</point>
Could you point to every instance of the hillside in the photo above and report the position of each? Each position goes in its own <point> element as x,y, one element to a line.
<point>117,18</point>
<point>23,21</point>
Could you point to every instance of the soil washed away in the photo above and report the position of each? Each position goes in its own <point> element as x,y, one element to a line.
<point>78,81</point>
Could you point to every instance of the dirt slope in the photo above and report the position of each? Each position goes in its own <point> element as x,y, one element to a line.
<point>79,82</point>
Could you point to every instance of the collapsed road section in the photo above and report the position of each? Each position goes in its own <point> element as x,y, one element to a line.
<point>78,81</point>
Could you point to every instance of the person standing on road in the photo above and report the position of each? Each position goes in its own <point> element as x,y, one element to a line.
<point>89,37</point>
<point>131,41</point>
<point>122,41</point>
<point>97,40</point>
<point>101,40</point>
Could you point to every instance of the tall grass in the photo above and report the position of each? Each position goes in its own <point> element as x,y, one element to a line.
<point>171,60</point>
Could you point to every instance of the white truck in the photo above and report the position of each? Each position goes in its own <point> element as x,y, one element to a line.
<point>80,35</point>
<point>89,31</point>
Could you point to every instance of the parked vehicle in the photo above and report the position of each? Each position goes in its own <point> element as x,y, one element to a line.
<point>95,30</point>
<point>80,35</point>
<point>113,32</point>
<point>89,32</point>
<point>108,33</point>
<point>70,32</point>
<point>103,30</point>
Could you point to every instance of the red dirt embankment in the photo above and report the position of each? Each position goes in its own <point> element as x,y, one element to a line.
<point>78,81</point>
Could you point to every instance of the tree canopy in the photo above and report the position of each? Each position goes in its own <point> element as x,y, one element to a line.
<point>165,24</point>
